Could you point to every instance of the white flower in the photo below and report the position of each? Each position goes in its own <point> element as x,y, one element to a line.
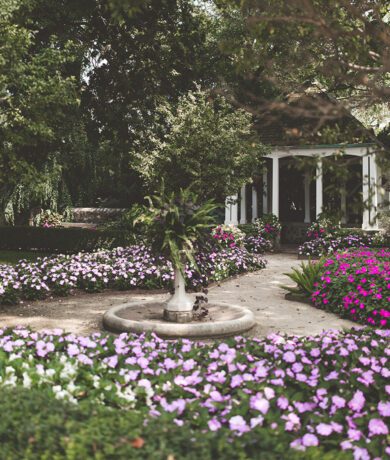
<point>26,380</point>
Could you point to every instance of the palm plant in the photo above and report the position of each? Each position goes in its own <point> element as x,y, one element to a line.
<point>305,277</point>
<point>174,223</point>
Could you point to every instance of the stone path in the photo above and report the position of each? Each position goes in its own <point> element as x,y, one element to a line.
<point>258,291</point>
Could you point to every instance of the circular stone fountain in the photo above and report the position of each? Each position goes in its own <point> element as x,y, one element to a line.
<point>148,316</point>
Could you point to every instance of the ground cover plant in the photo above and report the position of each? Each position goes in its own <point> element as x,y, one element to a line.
<point>121,268</point>
<point>356,285</point>
<point>269,227</point>
<point>230,236</point>
<point>248,398</point>
<point>321,246</point>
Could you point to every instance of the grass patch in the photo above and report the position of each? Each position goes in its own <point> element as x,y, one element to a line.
<point>13,257</point>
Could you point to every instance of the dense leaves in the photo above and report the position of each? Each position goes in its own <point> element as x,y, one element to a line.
<point>175,223</point>
<point>202,141</point>
<point>277,395</point>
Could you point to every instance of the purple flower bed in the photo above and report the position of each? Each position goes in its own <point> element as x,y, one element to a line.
<point>356,285</point>
<point>121,268</point>
<point>256,244</point>
<point>329,391</point>
<point>325,246</point>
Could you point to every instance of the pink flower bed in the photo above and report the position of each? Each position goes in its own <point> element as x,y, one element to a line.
<point>356,285</point>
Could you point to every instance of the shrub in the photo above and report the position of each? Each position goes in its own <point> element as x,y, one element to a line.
<point>228,236</point>
<point>249,229</point>
<point>240,398</point>
<point>356,285</point>
<point>257,244</point>
<point>68,240</point>
<point>48,218</point>
<point>384,220</point>
<point>34,425</point>
<point>326,246</point>
<point>175,222</point>
<point>268,226</point>
<point>324,227</point>
<point>305,278</point>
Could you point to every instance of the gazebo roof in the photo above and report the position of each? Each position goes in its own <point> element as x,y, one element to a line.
<point>298,125</point>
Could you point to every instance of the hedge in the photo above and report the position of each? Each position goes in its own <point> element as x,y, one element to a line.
<point>65,240</point>
<point>34,425</point>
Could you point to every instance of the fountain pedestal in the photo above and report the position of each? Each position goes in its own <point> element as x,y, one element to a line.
<point>179,308</point>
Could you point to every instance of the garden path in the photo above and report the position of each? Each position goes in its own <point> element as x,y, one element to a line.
<point>261,293</point>
<point>258,291</point>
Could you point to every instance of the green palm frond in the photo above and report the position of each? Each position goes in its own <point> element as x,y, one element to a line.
<point>304,277</point>
<point>175,222</point>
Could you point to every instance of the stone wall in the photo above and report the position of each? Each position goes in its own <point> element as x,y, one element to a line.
<point>96,215</point>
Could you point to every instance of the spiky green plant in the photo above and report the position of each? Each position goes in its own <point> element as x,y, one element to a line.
<point>305,276</point>
<point>174,222</point>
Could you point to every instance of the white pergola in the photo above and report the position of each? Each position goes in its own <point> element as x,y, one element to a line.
<point>370,185</point>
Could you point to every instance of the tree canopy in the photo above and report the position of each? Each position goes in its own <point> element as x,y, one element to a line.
<point>91,90</point>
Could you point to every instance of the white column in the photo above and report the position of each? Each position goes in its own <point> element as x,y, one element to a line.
<point>265,189</point>
<point>307,198</point>
<point>243,205</point>
<point>366,192</point>
<point>254,203</point>
<point>343,204</point>
<point>231,210</point>
<point>275,186</point>
<point>234,211</point>
<point>370,192</point>
<point>228,211</point>
<point>319,188</point>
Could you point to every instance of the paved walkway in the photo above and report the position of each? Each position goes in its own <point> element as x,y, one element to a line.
<point>261,293</point>
<point>258,291</point>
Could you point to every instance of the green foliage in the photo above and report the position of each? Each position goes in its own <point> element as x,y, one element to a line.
<point>175,222</point>
<point>305,278</point>
<point>132,231</point>
<point>268,226</point>
<point>384,220</point>
<point>47,218</point>
<point>249,229</point>
<point>201,141</point>
<point>38,106</point>
<point>153,54</point>
<point>68,240</point>
<point>35,426</point>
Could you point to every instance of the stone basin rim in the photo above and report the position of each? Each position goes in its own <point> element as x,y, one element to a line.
<point>213,329</point>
